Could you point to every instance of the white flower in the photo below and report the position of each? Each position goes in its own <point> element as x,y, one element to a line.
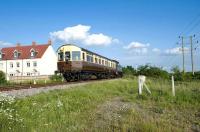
<point>59,103</point>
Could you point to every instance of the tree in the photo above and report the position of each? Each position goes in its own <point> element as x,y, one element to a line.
<point>128,70</point>
<point>175,69</point>
<point>2,77</point>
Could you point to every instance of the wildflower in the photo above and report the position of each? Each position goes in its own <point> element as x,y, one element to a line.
<point>59,103</point>
<point>34,104</point>
<point>6,110</point>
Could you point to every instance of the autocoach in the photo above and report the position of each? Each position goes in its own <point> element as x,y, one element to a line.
<point>77,63</point>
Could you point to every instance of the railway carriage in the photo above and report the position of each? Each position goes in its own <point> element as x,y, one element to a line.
<point>77,63</point>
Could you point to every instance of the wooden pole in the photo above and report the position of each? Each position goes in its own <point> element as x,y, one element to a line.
<point>173,88</point>
<point>192,58</point>
<point>139,86</point>
<point>183,53</point>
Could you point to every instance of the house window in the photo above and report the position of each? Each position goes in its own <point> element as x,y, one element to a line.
<point>34,64</point>
<point>28,73</point>
<point>1,65</point>
<point>75,55</point>
<point>18,64</point>
<point>11,75</point>
<point>0,55</point>
<point>16,54</point>
<point>28,64</point>
<point>11,65</point>
<point>33,53</point>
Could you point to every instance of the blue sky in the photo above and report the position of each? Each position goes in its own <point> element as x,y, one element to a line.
<point>134,32</point>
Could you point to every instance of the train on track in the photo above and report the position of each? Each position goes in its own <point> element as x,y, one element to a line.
<point>76,63</point>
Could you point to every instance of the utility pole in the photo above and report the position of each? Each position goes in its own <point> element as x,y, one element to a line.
<point>183,54</point>
<point>192,58</point>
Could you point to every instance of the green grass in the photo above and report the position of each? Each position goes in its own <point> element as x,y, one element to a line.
<point>108,106</point>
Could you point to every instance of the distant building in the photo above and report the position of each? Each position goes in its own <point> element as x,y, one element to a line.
<point>31,60</point>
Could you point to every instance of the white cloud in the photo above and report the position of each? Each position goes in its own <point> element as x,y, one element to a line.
<point>137,47</point>
<point>2,44</point>
<point>98,39</point>
<point>156,50</point>
<point>81,33</point>
<point>176,51</point>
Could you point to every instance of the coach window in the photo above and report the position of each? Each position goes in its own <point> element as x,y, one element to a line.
<point>75,55</point>
<point>89,58</point>
<point>96,60</point>
<point>102,62</point>
<point>67,56</point>
<point>60,56</point>
<point>83,56</point>
<point>92,59</point>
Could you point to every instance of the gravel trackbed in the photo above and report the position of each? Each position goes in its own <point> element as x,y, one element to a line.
<point>32,91</point>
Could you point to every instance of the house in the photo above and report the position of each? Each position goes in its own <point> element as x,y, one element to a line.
<point>29,60</point>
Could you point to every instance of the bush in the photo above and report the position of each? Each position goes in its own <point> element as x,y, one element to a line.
<point>129,70</point>
<point>146,70</point>
<point>56,77</point>
<point>153,71</point>
<point>2,77</point>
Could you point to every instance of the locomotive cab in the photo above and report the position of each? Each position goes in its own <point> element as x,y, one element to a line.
<point>69,58</point>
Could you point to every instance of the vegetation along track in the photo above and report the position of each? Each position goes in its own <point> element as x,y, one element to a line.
<point>26,90</point>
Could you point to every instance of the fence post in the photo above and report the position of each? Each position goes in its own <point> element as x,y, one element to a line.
<point>139,86</point>
<point>173,88</point>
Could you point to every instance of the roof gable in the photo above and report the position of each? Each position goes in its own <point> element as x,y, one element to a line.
<point>8,52</point>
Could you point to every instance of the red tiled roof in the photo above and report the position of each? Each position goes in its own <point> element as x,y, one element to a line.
<point>8,53</point>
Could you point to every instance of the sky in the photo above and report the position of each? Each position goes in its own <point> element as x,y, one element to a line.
<point>134,32</point>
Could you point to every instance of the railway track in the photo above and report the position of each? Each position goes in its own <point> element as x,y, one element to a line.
<point>24,92</point>
<point>34,86</point>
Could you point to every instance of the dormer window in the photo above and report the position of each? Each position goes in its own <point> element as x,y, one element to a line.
<point>33,53</point>
<point>16,54</point>
<point>1,56</point>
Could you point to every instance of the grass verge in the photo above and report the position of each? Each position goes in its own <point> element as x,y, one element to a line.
<point>107,106</point>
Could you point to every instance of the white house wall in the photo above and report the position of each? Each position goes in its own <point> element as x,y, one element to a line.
<point>48,62</point>
<point>47,65</point>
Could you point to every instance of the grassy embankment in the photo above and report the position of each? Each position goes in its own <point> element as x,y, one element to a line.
<point>107,106</point>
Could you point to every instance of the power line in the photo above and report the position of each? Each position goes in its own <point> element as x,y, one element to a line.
<point>187,28</point>
<point>193,27</point>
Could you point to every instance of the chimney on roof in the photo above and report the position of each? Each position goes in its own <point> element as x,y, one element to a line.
<point>18,44</point>
<point>33,43</point>
<point>49,42</point>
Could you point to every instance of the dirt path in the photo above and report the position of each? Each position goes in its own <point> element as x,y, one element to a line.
<point>32,91</point>
<point>109,113</point>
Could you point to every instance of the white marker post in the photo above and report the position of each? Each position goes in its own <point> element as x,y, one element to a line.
<point>141,84</point>
<point>173,88</point>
